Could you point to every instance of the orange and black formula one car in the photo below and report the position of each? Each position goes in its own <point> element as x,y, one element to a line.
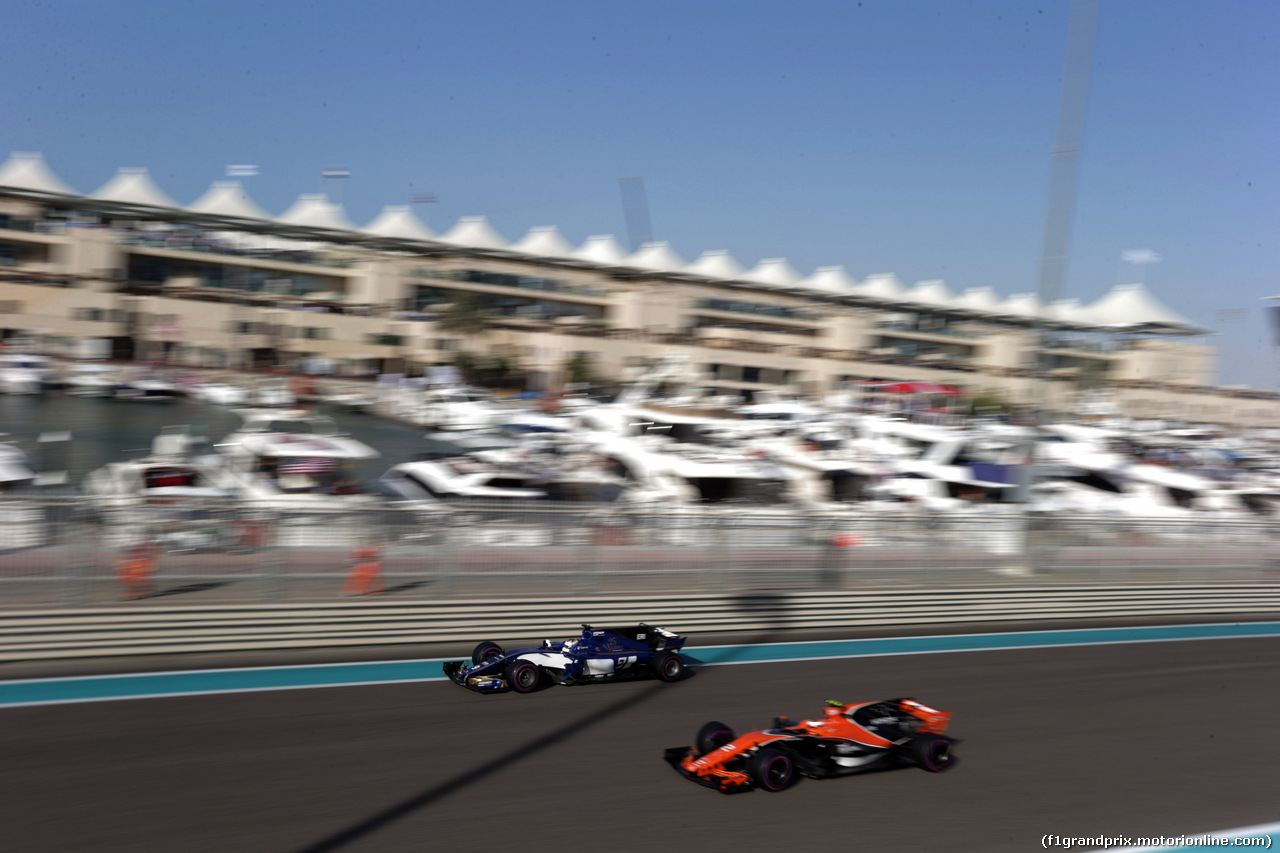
<point>846,739</point>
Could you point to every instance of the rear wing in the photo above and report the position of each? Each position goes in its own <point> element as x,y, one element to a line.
<point>934,720</point>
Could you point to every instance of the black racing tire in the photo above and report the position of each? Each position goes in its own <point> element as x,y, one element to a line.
<point>932,752</point>
<point>772,770</point>
<point>668,666</point>
<point>712,736</point>
<point>484,651</point>
<point>523,676</point>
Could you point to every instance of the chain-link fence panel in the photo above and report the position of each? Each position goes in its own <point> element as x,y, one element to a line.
<point>67,551</point>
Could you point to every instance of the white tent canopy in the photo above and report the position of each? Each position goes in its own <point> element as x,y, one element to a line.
<point>716,264</point>
<point>26,170</point>
<point>1022,306</point>
<point>314,210</point>
<point>832,281</point>
<point>227,198</point>
<point>930,294</point>
<point>656,257</point>
<point>133,185</point>
<point>882,287</point>
<point>543,241</point>
<point>474,232</point>
<point>1130,306</point>
<point>399,222</point>
<point>978,300</point>
<point>1068,311</point>
<point>601,249</point>
<point>774,272</point>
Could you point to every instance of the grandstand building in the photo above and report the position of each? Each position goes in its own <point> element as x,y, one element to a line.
<point>222,283</point>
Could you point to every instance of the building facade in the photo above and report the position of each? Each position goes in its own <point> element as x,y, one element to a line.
<point>205,287</point>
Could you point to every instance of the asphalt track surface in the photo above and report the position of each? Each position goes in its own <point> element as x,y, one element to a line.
<point>1141,739</point>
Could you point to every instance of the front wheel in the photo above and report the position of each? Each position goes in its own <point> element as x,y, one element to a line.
<point>668,666</point>
<point>486,650</point>
<point>523,676</point>
<point>932,752</point>
<point>772,770</point>
<point>712,736</point>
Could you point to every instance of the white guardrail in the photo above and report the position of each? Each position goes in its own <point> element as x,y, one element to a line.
<point>95,632</point>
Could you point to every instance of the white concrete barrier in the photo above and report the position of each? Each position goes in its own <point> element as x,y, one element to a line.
<point>95,632</point>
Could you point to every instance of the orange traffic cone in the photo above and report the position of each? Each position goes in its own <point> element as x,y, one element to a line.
<point>365,577</point>
<point>135,570</point>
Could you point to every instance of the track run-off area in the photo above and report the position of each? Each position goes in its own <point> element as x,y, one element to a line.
<point>1134,731</point>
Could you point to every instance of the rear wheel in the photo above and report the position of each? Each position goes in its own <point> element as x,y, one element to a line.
<point>668,666</point>
<point>772,770</point>
<point>523,676</point>
<point>484,651</point>
<point>932,752</point>
<point>712,736</point>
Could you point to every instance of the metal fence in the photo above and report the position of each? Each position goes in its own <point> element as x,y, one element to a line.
<point>68,552</point>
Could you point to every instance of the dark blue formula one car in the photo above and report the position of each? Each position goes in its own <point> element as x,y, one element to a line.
<point>600,654</point>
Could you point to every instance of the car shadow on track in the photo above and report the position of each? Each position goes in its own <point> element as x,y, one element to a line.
<point>770,611</point>
<point>185,588</point>
<point>404,587</point>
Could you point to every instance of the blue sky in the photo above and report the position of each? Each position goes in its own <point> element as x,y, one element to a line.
<point>909,137</point>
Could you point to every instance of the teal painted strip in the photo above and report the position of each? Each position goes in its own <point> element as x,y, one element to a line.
<point>709,655</point>
<point>100,688</point>
<point>94,688</point>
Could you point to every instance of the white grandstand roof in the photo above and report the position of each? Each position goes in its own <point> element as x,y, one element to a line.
<point>543,241</point>
<point>602,249</point>
<point>717,264</point>
<point>474,232</point>
<point>930,294</point>
<point>1131,307</point>
<point>833,281</point>
<point>314,210</point>
<point>133,185</point>
<point>978,300</point>
<point>656,257</point>
<point>1022,306</point>
<point>1068,311</point>
<point>398,221</point>
<point>227,198</point>
<point>883,287</point>
<point>774,272</point>
<point>26,170</point>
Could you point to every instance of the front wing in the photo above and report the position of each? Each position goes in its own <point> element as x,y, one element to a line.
<point>725,783</point>
<point>484,683</point>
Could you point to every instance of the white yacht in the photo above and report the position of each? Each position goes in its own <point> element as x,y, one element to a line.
<point>22,373</point>
<point>351,401</point>
<point>496,467</point>
<point>220,393</point>
<point>22,520</point>
<point>1092,476</point>
<point>91,379</point>
<point>684,454</point>
<point>148,386</point>
<point>458,477</point>
<point>683,466</point>
<point>295,460</point>
<point>174,471</point>
<point>834,466</point>
<point>15,468</point>
<point>456,408</point>
<point>271,393</point>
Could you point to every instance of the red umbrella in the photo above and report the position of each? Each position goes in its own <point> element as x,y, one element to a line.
<point>921,388</point>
